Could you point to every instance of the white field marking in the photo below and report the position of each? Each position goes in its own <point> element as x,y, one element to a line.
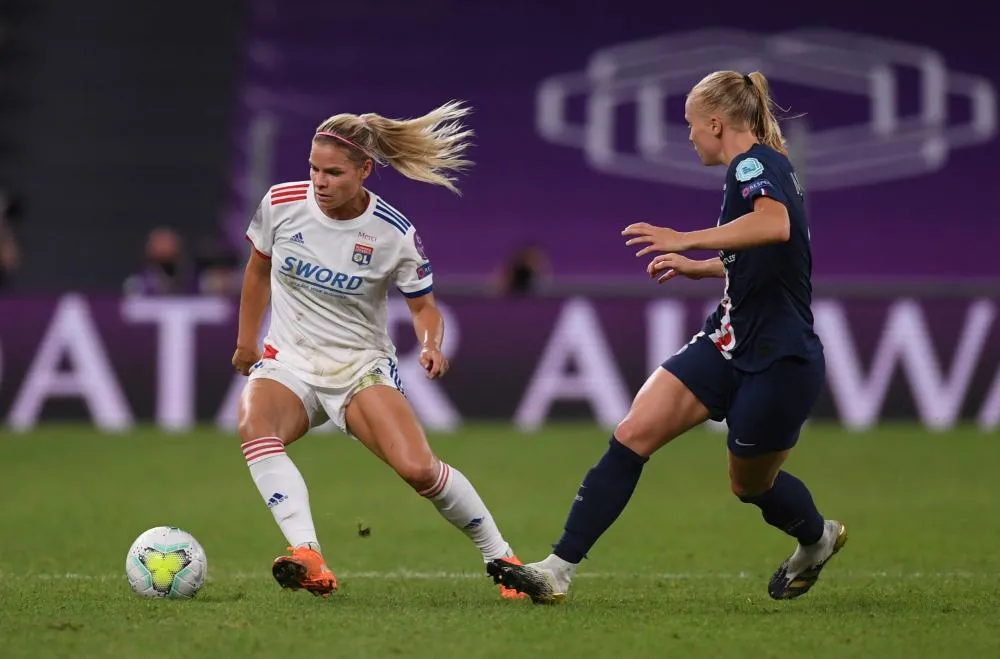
<point>413,575</point>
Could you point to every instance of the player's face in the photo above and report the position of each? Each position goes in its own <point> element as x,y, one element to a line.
<point>335,178</point>
<point>705,132</point>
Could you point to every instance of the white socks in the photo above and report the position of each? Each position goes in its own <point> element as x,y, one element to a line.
<point>563,571</point>
<point>285,493</point>
<point>459,503</point>
<point>556,564</point>
<point>283,489</point>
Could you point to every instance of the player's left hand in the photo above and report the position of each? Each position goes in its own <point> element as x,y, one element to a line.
<point>434,362</point>
<point>658,239</point>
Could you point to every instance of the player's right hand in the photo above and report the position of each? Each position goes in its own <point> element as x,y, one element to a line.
<point>244,359</point>
<point>667,266</point>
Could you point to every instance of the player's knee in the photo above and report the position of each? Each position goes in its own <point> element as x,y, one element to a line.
<point>746,490</point>
<point>245,428</point>
<point>638,436</point>
<point>250,427</point>
<point>420,474</point>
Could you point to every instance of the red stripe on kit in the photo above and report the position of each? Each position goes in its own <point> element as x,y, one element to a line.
<point>264,447</point>
<point>255,444</point>
<point>439,485</point>
<point>290,190</point>
<point>266,453</point>
<point>293,192</point>
<point>281,187</point>
<point>259,253</point>
<point>284,200</point>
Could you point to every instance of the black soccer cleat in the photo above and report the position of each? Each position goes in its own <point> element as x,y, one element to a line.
<point>797,573</point>
<point>537,583</point>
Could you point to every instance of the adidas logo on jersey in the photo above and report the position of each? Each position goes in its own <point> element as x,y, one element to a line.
<point>297,238</point>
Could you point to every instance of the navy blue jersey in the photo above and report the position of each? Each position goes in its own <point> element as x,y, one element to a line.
<point>765,311</point>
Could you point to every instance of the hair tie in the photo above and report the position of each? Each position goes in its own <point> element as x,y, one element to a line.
<point>340,138</point>
<point>747,80</point>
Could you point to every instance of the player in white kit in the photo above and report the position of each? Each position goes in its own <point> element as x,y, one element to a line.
<point>325,252</point>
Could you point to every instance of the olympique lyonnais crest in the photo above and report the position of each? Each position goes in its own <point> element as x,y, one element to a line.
<point>362,254</point>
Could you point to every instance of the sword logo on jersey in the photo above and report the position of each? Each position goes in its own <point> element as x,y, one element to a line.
<point>362,254</point>
<point>303,274</point>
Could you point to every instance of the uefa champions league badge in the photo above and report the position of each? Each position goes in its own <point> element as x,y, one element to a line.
<point>362,254</point>
<point>749,189</point>
<point>419,244</point>
<point>748,169</point>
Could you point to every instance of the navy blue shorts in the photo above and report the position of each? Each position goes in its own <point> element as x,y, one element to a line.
<point>764,411</point>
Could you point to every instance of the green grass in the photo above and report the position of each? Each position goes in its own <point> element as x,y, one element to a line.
<point>683,572</point>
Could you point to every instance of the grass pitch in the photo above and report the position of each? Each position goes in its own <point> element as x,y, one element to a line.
<point>682,573</point>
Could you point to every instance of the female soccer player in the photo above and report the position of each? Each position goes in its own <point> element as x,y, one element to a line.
<point>324,254</point>
<point>757,363</point>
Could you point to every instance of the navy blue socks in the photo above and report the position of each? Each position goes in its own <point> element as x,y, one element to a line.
<point>601,498</point>
<point>788,506</point>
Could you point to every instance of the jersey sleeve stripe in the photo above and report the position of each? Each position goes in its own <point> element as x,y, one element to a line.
<point>294,192</point>
<point>382,216</point>
<point>386,208</point>
<point>284,187</point>
<point>285,200</point>
<point>259,253</point>
<point>422,292</point>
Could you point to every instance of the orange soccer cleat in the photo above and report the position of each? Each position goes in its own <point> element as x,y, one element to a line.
<point>304,569</point>
<point>510,593</point>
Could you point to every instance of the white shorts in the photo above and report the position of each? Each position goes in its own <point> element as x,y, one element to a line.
<point>329,403</point>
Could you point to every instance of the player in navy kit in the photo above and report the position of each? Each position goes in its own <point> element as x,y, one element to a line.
<point>757,363</point>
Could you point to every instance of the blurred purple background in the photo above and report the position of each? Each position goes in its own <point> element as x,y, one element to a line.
<point>137,140</point>
<point>900,190</point>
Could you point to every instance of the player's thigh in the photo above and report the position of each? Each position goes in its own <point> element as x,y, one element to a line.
<point>276,403</point>
<point>766,419</point>
<point>691,387</point>
<point>381,418</point>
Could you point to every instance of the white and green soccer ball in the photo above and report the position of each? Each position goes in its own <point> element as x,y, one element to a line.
<point>166,561</point>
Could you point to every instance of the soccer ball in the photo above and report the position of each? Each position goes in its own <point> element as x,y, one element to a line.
<point>166,561</point>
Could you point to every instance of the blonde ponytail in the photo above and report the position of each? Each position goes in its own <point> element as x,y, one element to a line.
<point>743,99</point>
<point>429,148</point>
<point>763,123</point>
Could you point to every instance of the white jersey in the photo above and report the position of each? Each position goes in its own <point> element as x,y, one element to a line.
<point>330,281</point>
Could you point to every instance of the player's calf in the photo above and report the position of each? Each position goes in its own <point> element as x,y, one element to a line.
<point>283,489</point>
<point>459,503</point>
<point>382,419</point>
<point>788,506</point>
<point>421,473</point>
